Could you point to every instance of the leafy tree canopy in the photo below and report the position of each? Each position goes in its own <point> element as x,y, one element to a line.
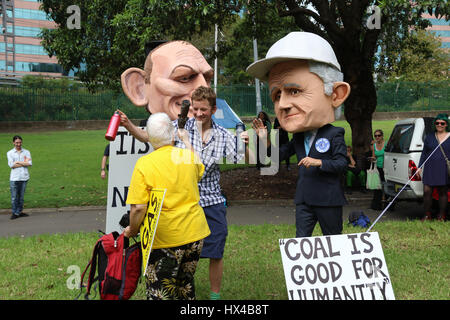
<point>113,35</point>
<point>421,59</point>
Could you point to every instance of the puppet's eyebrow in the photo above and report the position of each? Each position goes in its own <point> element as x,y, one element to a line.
<point>180,66</point>
<point>209,73</point>
<point>291,85</point>
<point>287,85</point>
<point>273,89</point>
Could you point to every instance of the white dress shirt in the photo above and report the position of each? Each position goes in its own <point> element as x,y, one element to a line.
<point>20,173</point>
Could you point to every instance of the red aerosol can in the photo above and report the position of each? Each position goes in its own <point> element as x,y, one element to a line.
<point>113,127</point>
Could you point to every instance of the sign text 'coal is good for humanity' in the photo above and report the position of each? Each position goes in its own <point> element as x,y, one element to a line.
<point>338,267</point>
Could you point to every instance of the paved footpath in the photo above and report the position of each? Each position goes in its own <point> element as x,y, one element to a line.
<point>85,219</point>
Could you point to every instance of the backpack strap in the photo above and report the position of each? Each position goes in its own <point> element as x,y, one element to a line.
<point>92,265</point>
<point>93,270</point>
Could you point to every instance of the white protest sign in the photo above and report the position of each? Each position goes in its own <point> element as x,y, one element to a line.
<point>124,151</point>
<point>338,267</point>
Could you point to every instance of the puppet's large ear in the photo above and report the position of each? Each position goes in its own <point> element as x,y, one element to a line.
<point>341,90</point>
<point>133,85</point>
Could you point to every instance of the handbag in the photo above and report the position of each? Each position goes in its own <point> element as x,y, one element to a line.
<point>373,178</point>
<point>446,160</point>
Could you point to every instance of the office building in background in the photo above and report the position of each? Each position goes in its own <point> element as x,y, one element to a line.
<point>20,49</point>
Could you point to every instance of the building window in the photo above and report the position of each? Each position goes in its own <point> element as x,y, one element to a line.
<point>23,31</point>
<point>26,49</point>
<point>34,67</point>
<point>30,14</point>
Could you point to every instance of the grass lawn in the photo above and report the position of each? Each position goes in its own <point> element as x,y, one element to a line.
<point>417,256</point>
<point>386,125</point>
<point>66,166</point>
<point>66,172</point>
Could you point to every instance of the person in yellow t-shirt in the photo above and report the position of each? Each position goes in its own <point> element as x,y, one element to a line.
<point>182,224</point>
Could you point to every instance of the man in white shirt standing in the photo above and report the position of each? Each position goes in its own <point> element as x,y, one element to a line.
<point>19,159</point>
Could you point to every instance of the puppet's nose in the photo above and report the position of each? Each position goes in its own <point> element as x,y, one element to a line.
<point>284,102</point>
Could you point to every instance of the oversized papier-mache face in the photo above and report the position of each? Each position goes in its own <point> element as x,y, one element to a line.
<point>171,73</point>
<point>305,82</point>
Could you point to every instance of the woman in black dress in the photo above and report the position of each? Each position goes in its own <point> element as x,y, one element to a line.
<point>435,174</point>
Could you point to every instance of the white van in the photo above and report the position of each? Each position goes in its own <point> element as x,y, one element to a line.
<point>402,155</point>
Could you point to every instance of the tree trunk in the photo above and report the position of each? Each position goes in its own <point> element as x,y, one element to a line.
<point>359,108</point>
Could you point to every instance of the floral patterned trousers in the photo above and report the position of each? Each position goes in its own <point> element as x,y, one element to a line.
<point>170,272</point>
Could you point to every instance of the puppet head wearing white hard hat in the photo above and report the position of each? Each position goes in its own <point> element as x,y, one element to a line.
<point>305,82</point>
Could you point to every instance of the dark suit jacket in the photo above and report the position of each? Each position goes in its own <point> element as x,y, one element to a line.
<point>320,186</point>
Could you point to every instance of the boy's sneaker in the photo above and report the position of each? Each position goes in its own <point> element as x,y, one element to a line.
<point>214,296</point>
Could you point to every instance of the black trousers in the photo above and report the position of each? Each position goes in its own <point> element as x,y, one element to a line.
<point>306,217</point>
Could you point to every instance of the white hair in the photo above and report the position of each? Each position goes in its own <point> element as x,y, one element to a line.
<point>160,130</point>
<point>329,76</point>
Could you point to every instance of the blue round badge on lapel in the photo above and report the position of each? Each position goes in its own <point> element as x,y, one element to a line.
<point>322,145</point>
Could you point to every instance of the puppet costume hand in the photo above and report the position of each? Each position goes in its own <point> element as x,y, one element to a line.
<point>260,128</point>
<point>310,162</point>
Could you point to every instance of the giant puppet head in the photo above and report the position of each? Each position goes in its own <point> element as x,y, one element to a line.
<point>305,82</point>
<point>172,71</point>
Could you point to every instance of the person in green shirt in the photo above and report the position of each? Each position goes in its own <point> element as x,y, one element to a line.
<point>377,148</point>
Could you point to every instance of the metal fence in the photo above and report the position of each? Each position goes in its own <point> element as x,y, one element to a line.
<point>44,104</point>
<point>413,96</point>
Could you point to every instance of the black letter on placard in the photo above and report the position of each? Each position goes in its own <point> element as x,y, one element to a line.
<point>363,239</point>
<point>297,256</point>
<point>133,143</point>
<point>154,202</point>
<point>145,239</point>
<point>122,135</point>
<point>150,217</point>
<point>353,237</point>
<point>122,200</point>
<point>377,265</point>
<point>301,279</point>
<point>319,246</point>
<point>335,275</point>
<point>291,293</point>
<point>330,249</point>
<point>147,147</point>
<point>309,255</point>
<point>323,295</point>
<point>323,279</point>
<point>355,268</point>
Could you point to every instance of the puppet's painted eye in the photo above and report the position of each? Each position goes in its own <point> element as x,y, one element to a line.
<point>187,78</point>
<point>276,95</point>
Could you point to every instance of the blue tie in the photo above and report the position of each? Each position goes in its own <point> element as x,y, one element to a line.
<point>307,136</point>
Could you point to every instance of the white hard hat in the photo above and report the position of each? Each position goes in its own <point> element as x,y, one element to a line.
<point>294,46</point>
